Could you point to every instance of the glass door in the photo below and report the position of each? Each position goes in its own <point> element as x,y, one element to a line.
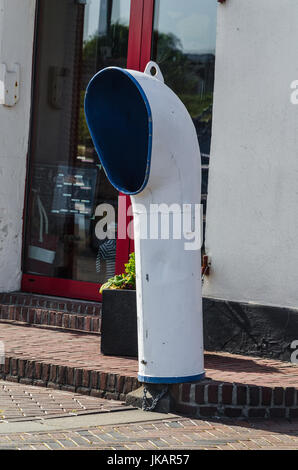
<point>74,40</point>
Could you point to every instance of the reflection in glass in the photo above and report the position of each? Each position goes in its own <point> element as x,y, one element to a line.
<point>67,183</point>
<point>184,47</point>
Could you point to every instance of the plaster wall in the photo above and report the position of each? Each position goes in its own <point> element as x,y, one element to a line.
<point>252,209</point>
<point>17,19</point>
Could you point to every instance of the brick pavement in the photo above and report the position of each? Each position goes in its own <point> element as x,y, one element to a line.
<point>61,348</point>
<point>20,402</point>
<point>176,433</point>
<point>237,385</point>
<point>67,348</point>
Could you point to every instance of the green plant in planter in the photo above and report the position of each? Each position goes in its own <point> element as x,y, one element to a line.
<point>126,280</point>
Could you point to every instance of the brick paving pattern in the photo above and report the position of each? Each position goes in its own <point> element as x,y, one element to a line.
<point>18,402</point>
<point>176,433</point>
<point>236,386</point>
<point>23,401</point>
<point>61,348</point>
<point>67,348</point>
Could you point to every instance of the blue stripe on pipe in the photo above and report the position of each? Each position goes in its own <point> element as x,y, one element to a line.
<point>170,380</point>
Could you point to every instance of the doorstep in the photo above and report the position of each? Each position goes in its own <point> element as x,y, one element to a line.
<point>235,386</point>
<point>50,312</point>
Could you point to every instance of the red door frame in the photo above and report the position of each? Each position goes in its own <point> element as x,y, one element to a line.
<point>139,53</point>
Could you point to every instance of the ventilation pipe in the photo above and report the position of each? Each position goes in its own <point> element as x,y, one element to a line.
<point>148,147</point>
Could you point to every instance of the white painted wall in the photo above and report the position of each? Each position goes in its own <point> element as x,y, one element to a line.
<point>16,46</point>
<point>252,215</point>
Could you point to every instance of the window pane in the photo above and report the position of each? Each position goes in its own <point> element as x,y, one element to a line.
<point>184,47</point>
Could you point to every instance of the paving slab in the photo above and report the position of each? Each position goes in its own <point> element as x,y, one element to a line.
<point>126,416</point>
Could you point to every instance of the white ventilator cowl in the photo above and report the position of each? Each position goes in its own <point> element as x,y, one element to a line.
<point>147,144</point>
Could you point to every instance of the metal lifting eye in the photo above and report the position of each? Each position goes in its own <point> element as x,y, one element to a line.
<point>153,70</point>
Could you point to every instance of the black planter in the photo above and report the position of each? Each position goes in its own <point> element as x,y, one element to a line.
<point>119,335</point>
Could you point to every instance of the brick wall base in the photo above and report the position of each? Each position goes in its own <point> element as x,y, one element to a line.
<point>214,399</point>
<point>206,399</point>
<point>50,312</point>
<point>88,382</point>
